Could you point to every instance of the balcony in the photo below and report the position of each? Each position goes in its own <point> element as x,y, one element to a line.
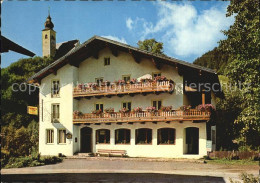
<point>94,90</point>
<point>145,116</point>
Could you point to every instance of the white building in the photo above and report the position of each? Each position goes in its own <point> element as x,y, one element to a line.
<point>80,112</point>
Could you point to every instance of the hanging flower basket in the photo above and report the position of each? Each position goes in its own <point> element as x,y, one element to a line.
<point>160,78</point>
<point>166,108</point>
<point>93,86</point>
<point>123,110</point>
<point>138,109</point>
<point>133,81</point>
<point>151,109</point>
<point>206,107</point>
<point>97,112</point>
<point>106,83</point>
<point>146,80</point>
<point>80,86</point>
<point>78,114</point>
<point>185,108</point>
<point>121,82</point>
<point>109,110</point>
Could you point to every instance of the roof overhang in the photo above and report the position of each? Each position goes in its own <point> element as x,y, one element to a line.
<point>7,45</point>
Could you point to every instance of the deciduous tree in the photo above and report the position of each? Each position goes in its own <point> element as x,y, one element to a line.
<point>151,45</point>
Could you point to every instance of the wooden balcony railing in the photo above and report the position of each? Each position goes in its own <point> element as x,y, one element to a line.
<point>175,115</point>
<point>116,89</point>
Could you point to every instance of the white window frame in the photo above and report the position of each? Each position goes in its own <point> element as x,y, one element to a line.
<point>52,88</point>
<point>51,141</point>
<point>59,130</point>
<point>55,118</point>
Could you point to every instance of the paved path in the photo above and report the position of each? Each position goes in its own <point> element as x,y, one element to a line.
<point>116,170</point>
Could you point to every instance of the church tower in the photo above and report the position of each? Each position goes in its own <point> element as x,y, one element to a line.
<point>48,39</point>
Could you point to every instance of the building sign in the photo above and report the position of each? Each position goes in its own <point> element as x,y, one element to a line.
<point>209,145</point>
<point>32,110</point>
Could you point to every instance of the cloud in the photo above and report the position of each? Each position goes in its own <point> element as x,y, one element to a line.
<point>122,40</point>
<point>129,23</point>
<point>183,29</point>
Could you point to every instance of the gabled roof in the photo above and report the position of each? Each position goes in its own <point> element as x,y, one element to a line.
<point>7,44</point>
<point>64,47</point>
<point>92,46</point>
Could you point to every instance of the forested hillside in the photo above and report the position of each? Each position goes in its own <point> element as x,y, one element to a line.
<point>213,59</point>
<point>19,129</point>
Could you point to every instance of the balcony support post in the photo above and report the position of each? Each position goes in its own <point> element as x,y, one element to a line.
<point>203,97</point>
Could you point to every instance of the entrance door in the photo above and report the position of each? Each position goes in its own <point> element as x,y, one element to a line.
<point>86,140</point>
<point>192,140</point>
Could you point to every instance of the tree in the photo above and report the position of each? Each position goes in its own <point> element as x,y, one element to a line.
<point>213,59</point>
<point>243,47</point>
<point>15,102</point>
<point>20,129</point>
<point>228,109</point>
<point>151,45</point>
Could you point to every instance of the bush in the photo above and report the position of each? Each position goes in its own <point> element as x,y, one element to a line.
<point>246,178</point>
<point>30,161</point>
<point>5,154</point>
<point>50,159</point>
<point>19,162</point>
<point>36,163</point>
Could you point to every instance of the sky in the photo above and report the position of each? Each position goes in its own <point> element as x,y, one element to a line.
<point>187,29</point>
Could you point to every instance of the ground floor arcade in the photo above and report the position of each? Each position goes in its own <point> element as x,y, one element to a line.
<point>173,139</point>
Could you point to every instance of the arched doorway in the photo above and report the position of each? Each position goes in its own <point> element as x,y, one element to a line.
<point>86,140</point>
<point>192,140</point>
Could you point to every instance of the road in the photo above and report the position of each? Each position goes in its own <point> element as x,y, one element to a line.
<point>110,170</point>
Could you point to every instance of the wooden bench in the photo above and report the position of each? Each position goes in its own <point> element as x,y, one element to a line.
<point>111,152</point>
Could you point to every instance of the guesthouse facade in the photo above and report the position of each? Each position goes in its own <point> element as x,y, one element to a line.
<point>106,95</point>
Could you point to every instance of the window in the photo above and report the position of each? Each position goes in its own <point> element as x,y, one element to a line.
<point>55,91</point>
<point>50,136</point>
<point>123,136</point>
<point>127,105</point>
<point>103,136</point>
<point>155,74</point>
<point>99,80</point>
<point>126,78</point>
<point>62,136</point>
<point>55,113</point>
<point>143,136</point>
<point>166,136</point>
<point>46,36</point>
<point>99,106</point>
<point>42,109</point>
<point>106,61</point>
<point>157,104</point>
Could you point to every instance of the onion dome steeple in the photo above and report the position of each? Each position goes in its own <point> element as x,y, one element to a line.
<point>48,24</point>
